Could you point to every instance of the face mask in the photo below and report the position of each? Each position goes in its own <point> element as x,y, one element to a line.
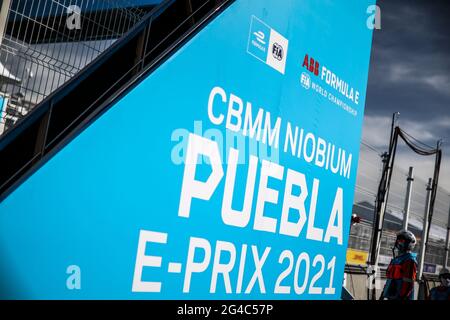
<point>396,252</point>
<point>445,282</point>
<point>400,247</point>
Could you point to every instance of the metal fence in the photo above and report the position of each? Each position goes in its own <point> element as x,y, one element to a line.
<point>369,173</point>
<point>44,43</point>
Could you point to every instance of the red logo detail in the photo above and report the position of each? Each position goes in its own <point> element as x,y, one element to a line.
<point>311,65</point>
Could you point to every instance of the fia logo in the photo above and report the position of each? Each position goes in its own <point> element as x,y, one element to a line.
<point>305,80</point>
<point>267,45</point>
<point>277,51</point>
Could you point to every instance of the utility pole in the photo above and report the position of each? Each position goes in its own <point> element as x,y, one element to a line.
<point>409,180</point>
<point>423,243</point>
<point>447,240</point>
<point>424,230</point>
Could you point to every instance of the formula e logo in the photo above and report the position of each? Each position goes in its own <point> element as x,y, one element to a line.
<point>260,36</point>
<point>267,45</point>
<point>277,51</point>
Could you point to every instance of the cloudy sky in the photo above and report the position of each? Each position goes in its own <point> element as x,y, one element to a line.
<point>410,73</point>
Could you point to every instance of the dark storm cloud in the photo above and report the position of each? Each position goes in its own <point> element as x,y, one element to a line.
<point>410,73</point>
<point>410,65</point>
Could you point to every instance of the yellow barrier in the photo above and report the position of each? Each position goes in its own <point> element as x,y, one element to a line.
<point>357,257</point>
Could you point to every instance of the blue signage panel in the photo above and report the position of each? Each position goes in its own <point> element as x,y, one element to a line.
<point>229,172</point>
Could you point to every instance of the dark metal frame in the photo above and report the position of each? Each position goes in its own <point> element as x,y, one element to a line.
<point>384,186</point>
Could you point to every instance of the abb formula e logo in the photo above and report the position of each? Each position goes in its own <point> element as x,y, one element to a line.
<point>330,78</point>
<point>267,45</point>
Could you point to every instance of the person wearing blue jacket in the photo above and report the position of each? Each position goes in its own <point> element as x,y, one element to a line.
<point>402,270</point>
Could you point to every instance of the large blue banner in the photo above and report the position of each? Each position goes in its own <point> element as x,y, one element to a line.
<point>228,172</point>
